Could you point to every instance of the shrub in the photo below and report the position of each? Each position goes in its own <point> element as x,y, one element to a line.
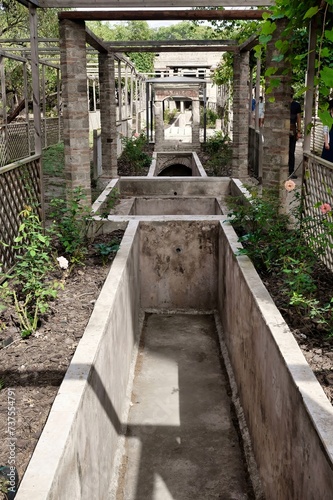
<point>219,150</point>
<point>134,152</point>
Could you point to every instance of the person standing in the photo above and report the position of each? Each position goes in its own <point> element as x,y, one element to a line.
<point>295,133</point>
<point>327,153</point>
<point>261,111</point>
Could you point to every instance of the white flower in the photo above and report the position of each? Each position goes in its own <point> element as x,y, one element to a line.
<point>63,263</point>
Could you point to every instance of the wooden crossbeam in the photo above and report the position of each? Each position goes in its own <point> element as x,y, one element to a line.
<point>165,15</point>
<point>95,42</point>
<point>139,4</point>
<point>173,45</point>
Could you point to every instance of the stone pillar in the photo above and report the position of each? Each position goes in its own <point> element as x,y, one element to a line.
<point>196,124</point>
<point>108,115</point>
<point>277,121</point>
<point>159,124</point>
<point>240,115</point>
<point>75,105</point>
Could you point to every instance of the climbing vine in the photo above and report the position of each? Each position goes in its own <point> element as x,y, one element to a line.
<point>292,44</point>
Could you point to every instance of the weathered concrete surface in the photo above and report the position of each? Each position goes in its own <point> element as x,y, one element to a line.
<point>175,206</point>
<point>174,186</point>
<point>288,414</point>
<point>181,439</point>
<point>76,452</point>
<point>178,261</point>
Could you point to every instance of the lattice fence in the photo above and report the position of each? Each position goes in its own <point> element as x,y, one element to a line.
<point>318,189</point>
<point>17,140</point>
<point>20,185</point>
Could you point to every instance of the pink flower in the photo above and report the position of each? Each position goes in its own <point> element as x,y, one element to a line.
<point>325,207</point>
<point>136,135</point>
<point>289,185</point>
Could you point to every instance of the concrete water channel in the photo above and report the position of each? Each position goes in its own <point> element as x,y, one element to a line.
<point>187,383</point>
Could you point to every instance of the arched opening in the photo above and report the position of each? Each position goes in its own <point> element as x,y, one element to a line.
<point>177,118</point>
<point>176,170</point>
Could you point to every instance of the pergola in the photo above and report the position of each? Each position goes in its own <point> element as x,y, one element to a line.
<point>275,162</point>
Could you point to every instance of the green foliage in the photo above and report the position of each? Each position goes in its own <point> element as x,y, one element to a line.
<point>211,117</point>
<point>106,249</point>
<point>28,287</point>
<point>4,485</point>
<point>134,152</point>
<point>70,223</point>
<point>110,203</point>
<point>294,40</point>
<point>185,30</point>
<point>169,115</point>
<point>288,251</point>
<point>128,31</point>
<point>54,160</point>
<point>218,148</point>
<point>14,21</point>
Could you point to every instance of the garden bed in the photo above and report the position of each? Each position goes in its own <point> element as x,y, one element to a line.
<point>33,368</point>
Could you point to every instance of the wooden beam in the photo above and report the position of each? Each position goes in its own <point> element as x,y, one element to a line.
<point>185,48</point>
<point>171,43</point>
<point>95,42</point>
<point>26,3</point>
<point>172,46</point>
<point>159,15</point>
<point>249,43</point>
<point>139,4</point>
<point>35,79</point>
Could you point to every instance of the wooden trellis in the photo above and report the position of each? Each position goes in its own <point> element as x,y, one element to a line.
<point>20,186</point>
<point>318,189</point>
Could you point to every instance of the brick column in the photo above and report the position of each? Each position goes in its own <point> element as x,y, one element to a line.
<point>196,124</point>
<point>159,123</point>
<point>240,115</point>
<point>75,105</point>
<point>108,116</point>
<point>277,122</point>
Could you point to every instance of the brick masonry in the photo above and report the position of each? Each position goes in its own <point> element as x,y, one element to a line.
<point>75,106</point>
<point>240,115</point>
<point>277,121</point>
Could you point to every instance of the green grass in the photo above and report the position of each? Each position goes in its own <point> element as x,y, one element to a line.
<point>53,160</point>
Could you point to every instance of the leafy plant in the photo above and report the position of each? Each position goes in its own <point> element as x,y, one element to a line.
<point>110,202</point>
<point>70,223</point>
<point>28,286</point>
<point>134,152</point>
<point>211,117</point>
<point>169,115</point>
<point>54,160</point>
<point>219,150</point>
<point>320,314</point>
<point>105,249</point>
<point>284,245</point>
<point>4,485</point>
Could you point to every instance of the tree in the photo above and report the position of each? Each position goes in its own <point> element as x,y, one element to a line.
<point>14,21</point>
<point>128,31</point>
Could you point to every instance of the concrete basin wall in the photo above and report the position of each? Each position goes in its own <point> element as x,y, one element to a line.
<point>175,206</point>
<point>178,261</point>
<point>288,414</point>
<point>180,186</point>
<point>185,263</point>
<point>75,453</point>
